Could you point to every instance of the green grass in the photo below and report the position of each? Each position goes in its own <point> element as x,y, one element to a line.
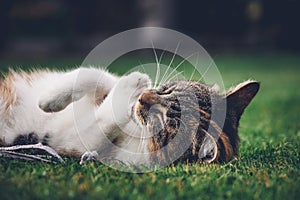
<point>267,167</point>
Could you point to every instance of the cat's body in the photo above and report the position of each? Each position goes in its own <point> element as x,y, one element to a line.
<point>90,109</point>
<point>80,126</point>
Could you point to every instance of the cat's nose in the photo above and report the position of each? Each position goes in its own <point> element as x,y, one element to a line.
<point>148,97</point>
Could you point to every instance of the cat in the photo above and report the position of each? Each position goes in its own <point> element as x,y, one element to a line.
<point>94,113</point>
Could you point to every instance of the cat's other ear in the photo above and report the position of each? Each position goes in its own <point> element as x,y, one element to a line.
<point>240,96</point>
<point>209,149</point>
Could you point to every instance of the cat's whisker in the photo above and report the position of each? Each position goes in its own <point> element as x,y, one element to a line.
<point>144,144</point>
<point>142,65</point>
<point>169,65</point>
<point>157,65</point>
<point>161,55</point>
<point>174,70</point>
<point>127,142</point>
<point>167,78</point>
<point>175,76</point>
<point>143,140</point>
<point>140,146</point>
<point>193,73</point>
<point>207,69</point>
<point>159,62</point>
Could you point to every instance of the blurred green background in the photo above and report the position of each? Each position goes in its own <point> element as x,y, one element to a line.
<point>250,39</point>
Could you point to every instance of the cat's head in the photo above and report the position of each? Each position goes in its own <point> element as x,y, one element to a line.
<point>184,109</point>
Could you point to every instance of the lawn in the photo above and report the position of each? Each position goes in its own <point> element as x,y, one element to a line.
<point>268,166</point>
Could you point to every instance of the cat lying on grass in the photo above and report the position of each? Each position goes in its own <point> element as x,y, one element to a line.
<point>94,113</point>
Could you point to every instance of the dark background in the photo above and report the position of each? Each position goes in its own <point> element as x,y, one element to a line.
<point>51,28</point>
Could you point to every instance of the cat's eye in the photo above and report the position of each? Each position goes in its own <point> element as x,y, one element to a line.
<point>166,91</point>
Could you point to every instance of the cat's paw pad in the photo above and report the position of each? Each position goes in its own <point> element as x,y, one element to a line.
<point>89,156</point>
<point>54,103</point>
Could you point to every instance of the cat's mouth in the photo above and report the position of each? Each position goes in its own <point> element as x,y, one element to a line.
<point>151,117</point>
<point>141,114</point>
<point>148,109</point>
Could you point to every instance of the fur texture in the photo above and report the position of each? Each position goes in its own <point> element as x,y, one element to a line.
<point>184,109</point>
<point>89,109</point>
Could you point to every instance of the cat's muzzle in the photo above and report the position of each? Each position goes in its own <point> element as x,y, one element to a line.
<point>146,100</point>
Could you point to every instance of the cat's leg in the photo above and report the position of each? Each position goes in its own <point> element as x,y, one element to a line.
<point>115,113</point>
<point>73,85</point>
<point>120,102</point>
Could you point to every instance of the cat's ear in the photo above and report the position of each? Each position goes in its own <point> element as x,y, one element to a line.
<point>240,96</point>
<point>209,149</point>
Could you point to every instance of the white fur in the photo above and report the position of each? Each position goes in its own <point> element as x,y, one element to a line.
<point>78,123</point>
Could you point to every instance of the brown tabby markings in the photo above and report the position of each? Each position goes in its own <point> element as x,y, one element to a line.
<point>7,89</point>
<point>225,143</point>
<point>227,147</point>
<point>195,130</point>
<point>152,145</point>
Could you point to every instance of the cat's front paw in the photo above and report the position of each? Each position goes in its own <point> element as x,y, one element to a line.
<point>132,85</point>
<point>136,83</point>
<point>126,93</point>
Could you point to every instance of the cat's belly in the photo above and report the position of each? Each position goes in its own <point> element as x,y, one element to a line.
<point>22,121</point>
